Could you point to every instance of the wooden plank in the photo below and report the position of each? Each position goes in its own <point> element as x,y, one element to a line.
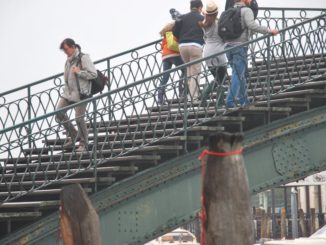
<point>126,142</point>
<point>269,223</point>
<point>19,215</point>
<point>302,223</point>
<point>304,92</point>
<point>287,101</point>
<point>61,172</point>
<point>79,224</point>
<point>200,112</point>
<point>36,192</point>
<point>287,78</point>
<point>312,223</point>
<point>283,224</point>
<point>256,109</point>
<point>56,182</point>
<point>31,204</point>
<point>313,65</point>
<point>73,163</point>
<point>290,61</point>
<point>137,134</point>
<point>263,226</point>
<point>101,153</point>
<point>16,163</point>
<point>162,124</point>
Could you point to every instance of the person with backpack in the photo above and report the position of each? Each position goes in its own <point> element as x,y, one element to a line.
<point>170,56</point>
<point>191,41</point>
<point>234,27</point>
<point>79,70</point>
<point>213,44</point>
<point>253,5</point>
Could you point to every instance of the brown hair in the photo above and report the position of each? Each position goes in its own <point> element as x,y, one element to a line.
<point>208,21</point>
<point>70,43</point>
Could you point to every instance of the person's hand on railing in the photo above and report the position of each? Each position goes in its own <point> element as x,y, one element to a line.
<point>274,32</point>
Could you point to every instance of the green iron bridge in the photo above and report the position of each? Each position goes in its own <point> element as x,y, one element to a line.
<point>141,169</point>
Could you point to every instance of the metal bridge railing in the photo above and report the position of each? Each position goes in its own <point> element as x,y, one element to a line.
<point>128,118</point>
<point>38,98</point>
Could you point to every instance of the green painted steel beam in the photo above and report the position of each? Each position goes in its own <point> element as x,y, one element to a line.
<point>157,200</point>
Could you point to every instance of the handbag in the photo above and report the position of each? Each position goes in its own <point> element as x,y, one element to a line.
<point>98,84</point>
<point>171,41</point>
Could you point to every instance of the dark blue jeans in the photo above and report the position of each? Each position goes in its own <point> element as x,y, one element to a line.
<point>167,64</point>
<point>238,88</point>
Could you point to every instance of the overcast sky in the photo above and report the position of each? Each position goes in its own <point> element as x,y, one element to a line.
<point>31,30</point>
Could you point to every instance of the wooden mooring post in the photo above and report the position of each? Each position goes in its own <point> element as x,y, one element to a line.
<point>283,223</point>
<point>302,222</point>
<point>79,222</point>
<point>226,194</point>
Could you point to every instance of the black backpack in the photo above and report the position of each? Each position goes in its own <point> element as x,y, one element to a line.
<point>98,84</point>
<point>254,7</point>
<point>229,24</point>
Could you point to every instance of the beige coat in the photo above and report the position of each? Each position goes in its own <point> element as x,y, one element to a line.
<point>87,72</point>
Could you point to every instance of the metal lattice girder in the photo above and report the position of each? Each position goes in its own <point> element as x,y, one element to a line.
<point>167,196</point>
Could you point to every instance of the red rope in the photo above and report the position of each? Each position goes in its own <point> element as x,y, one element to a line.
<point>203,215</point>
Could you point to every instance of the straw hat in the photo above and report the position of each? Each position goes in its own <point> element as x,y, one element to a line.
<point>211,8</point>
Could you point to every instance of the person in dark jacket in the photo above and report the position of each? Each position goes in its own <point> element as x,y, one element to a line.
<point>253,5</point>
<point>191,41</point>
<point>237,56</point>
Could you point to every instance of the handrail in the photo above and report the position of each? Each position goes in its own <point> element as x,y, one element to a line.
<point>113,111</point>
<point>143,46</point>
<point>292,9</point>
<point>96,62</point>
<point>86,101</point>
<point>38,98</point>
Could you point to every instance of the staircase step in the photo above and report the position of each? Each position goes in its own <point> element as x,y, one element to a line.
<point>288,85</point>
<point>62,172</point>
<point>55,182</point>
<point>37,192</point>
<point>294,71</point>
<point>164,118</point>
<point>290,102</point>
<point>317,93</point>
<point>73,163</point>
<point>201,113</point>
<point>56,145</point>
<point>19,215</point>
<point>203,130</point>
<point>41,154</point>
<point>135,143</point>
<point>289,62</point>
<point>159,125</point>
<point>38,204</point>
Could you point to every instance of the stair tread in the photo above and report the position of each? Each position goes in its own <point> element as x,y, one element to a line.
<point>293,93</point>
<point>19,215</point>
<point>45,151</point>
<point>29,204</point>
<point>157,125</point>
<point>43,154</point>
<point>38,192</point>
<point>71,171</point>
<point>135,141</point>
<point>61,182</point>
<point>133,158</point>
